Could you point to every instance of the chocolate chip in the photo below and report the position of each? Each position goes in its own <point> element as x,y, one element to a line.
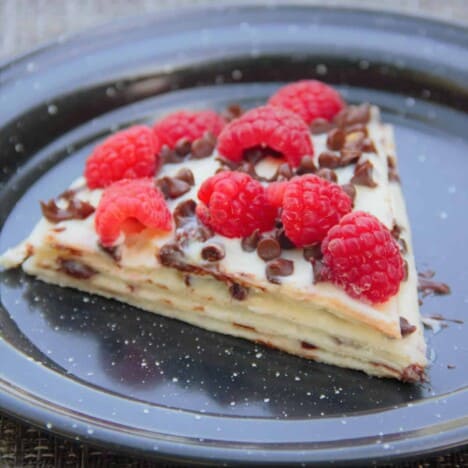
<point>168,155</point>
<point>306,166</point>
<point>327,174</point>
<point>396,230</point>
<point>233,111</point>
<point>75,268</point>
<point>349,156</point>
<point>202,233</point>
<point>392,169</point>
<point>363,174</point>
<point>183,146</point>
<point>350,190</point>
<point>329,160</point>
<point>249,243</point>
<point>285,242</point>
<point>405,327</point>
<point>268,248</point>
<point>320,273</point>
<point>75,209</point>
<point>336,139</point>
<point>351,115</point>
<point>279,267</point>
<point>171,255</point>
<point>183,212</point>
<point>213,252</point>
<point>186,175</point>
<point>172,187</point>
<point>203,147</point>
<point>427,286</point>
<point>238,291</point>
<point>284,172</point>
<point>319,126</point>
<point>313,252</point>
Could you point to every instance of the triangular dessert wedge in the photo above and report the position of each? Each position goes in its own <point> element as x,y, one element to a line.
<point>222,284</point>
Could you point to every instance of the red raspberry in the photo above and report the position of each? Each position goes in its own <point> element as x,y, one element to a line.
<point>361,255</point>
<point>128,154</point>
<point>267,127</point>
<point>311,206</point>
<point>310,99</point>
<point>187,124</point>
<point>234,204</point>
<point>130,206</point>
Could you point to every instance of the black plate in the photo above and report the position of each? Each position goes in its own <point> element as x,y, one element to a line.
<point>97,370</point>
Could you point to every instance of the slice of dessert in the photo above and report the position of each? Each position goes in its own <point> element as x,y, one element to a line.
<point>292,236</point>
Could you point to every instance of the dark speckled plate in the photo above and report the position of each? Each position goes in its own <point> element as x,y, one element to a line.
<point>98,370</point>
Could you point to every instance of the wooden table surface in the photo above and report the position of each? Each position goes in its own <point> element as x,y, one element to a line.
<point>25,24</point>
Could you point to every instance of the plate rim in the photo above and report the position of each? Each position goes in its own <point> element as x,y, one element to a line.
<point>14,402</point>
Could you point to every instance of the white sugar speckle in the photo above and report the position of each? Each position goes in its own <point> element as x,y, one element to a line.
<point>254,364</point>
<point>236,75</point>
<point>19,148</point>
<point>321,69</point>
<point>49,425</point>
<point>175,379</point>
<point>258,355</point>
<point>233,403</point>
<point>266,400</point>
<point>52,109</point>
<point>322,396</point>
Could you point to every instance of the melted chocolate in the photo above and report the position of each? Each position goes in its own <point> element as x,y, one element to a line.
<point>75,268</point>
<point>75,209</point>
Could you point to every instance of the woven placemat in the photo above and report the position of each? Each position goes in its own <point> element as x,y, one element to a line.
<point>25,446</point>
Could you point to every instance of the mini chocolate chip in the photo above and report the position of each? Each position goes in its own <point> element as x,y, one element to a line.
<point>329,159</point>
<point>75,209</point>
<point>238,291</point>
<point>183,212</point>
<point>75,268</point>
<point>186,175</point>
<point>405,270</point>
<point>392,169</point>
<point>352,115</point>
<point>171,255</point>
<point>279,267</point>
<point>405,327</point>
<point>285,242</point>
<point>350,190</point>
<point>319,126</point>
<point>327,174</point>
<point>336,139</point>
<point>319,270</point>
<point>249,243</point>
<point>233,111</point>
<point>213,252</point>
<point>349,156</point>
<point>172,187</point>
<point>183,146</point>
<point>396,230</point>
<point>168,155</point>
<point>313,252</point>
<point>363,174</point>
<point>368,146</point>
<point>268,248</point>
<point>284,172</point>
<point>202,147</point>
<point>306,166</point>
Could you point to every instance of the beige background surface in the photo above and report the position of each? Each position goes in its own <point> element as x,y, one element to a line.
<point>27,23</point>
